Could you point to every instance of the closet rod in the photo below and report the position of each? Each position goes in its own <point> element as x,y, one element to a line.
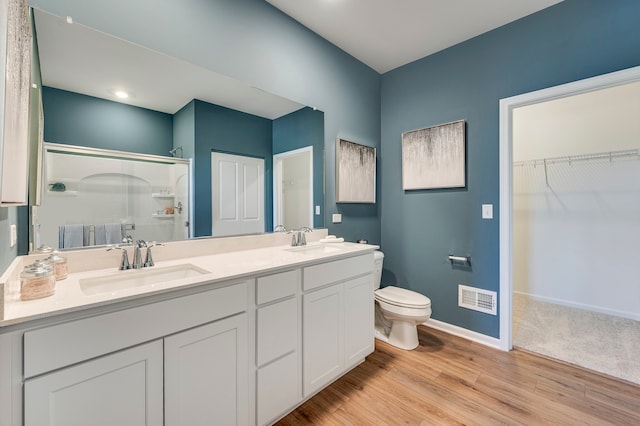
<point>610,155</point>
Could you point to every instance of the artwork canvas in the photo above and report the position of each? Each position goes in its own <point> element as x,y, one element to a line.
<point>355,172</point>
<point>434,157</point>
<point>15,75</point>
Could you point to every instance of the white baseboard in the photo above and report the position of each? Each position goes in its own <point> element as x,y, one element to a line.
<point>483,339</point>
<point>576,305</point>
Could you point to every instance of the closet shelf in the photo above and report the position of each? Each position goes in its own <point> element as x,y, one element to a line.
<point>610,155</point>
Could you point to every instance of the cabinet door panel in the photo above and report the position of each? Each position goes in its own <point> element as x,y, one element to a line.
<point>358,327</point>
<point>322,337</point>
<point>206,374</point>
<point>278,387</point>
<point>277,330</point>
<point>124,388</point>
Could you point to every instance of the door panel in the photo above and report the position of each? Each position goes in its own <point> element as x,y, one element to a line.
<point>237,189</point>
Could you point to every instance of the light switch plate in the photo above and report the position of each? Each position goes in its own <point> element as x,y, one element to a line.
<point>317,210</point>
<point>13,235</point>
<point>487,211</point>
<point>336,218</point>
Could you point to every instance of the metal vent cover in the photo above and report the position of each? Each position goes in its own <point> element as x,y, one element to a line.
<point>477,299</point>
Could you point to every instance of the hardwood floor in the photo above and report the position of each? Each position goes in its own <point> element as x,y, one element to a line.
<point>449,380</point>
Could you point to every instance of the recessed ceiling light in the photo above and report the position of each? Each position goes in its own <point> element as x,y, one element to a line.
<point>121,94</point>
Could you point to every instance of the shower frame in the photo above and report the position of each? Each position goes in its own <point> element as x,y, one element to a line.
<point>103,153</point>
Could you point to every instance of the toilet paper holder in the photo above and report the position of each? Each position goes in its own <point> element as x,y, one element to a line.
<point>465,260</point>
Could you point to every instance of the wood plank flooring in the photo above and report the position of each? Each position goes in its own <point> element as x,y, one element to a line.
<point>452,381</point>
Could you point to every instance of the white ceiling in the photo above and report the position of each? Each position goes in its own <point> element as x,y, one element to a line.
<point>386,34</point>
<point>383,34</point>
<point>79,59</point>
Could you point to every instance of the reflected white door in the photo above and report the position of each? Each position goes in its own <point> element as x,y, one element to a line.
<point>237,194</point>
<point>293,188</point>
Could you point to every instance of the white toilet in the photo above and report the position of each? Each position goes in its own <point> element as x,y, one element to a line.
<point>398,311</point>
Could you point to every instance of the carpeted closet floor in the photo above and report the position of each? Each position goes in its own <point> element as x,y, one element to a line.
<point>604,343</point>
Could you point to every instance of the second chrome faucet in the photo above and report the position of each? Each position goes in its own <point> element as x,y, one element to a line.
<point>298,238</point>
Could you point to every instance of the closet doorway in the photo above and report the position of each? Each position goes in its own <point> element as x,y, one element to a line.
<point>570,218</point>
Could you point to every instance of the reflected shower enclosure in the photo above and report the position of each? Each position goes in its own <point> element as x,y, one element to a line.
<point>97,197</point>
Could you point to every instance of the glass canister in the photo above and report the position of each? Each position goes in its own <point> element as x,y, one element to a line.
<point>59,265</point>
<point>37,280</point>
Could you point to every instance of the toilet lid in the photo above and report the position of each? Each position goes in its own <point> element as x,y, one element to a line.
<point>402,297</point>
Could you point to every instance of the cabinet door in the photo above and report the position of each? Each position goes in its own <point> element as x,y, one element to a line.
<point>358,324</point>
<point>278,388</point>
<point>206,380</point>
<point>124,388</point>
<point>277,330</point>
<point>322,337</point>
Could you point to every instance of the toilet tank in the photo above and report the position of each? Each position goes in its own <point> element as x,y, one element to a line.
<point>378,257</point>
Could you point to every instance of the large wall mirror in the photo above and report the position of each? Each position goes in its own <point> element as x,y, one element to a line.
<point>172,109</point>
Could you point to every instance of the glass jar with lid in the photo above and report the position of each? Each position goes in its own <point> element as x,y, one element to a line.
<point>37,280</point>
<point>59,265</point>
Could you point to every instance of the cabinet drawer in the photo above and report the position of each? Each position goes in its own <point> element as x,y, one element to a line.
<point>277,286</point>
<point>49,348</point>
<point>278,388</point>
<point>339,270</point>
<point>277,329</point>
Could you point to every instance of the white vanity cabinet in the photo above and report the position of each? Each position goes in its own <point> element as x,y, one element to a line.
<point>337,319</point>
<point>245,351</point>
<point>181,361</point>
<point>278,382</point>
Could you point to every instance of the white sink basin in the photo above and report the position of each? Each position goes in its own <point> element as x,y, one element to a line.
<point>315,249</point>
<point>138,278</point>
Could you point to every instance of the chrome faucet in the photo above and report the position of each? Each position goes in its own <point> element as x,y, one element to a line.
<point>124,260</point>
<point>298,238</point>
<point>148,261</point>
<point>137,254</point>
<point>280,228</point>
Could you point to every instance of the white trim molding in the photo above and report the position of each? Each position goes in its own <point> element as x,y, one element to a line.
<point>474,336</point>
<point>507,106</point>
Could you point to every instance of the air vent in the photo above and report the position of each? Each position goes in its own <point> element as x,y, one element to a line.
<point>477,299</point>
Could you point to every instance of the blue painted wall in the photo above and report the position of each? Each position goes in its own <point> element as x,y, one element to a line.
<point>299,129</point>
<point>74,119</point>
<point>573,40</point>
<point>226,130</point>
<point>184,129</point>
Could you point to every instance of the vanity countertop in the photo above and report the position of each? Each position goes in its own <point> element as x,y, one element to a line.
<point>70,297</point>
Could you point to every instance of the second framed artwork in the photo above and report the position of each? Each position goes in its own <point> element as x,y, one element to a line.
<point>355,172</point>
<point>434,157</point>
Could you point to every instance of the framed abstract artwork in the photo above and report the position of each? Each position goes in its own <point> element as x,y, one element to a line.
<point>355,172</point>
<point>434,157</point>
<point>15,83</point>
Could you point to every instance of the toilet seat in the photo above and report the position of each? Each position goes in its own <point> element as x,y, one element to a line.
<point>402,297</point>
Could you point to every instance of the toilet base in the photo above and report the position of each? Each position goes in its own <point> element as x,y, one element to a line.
<point>403,335</point>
